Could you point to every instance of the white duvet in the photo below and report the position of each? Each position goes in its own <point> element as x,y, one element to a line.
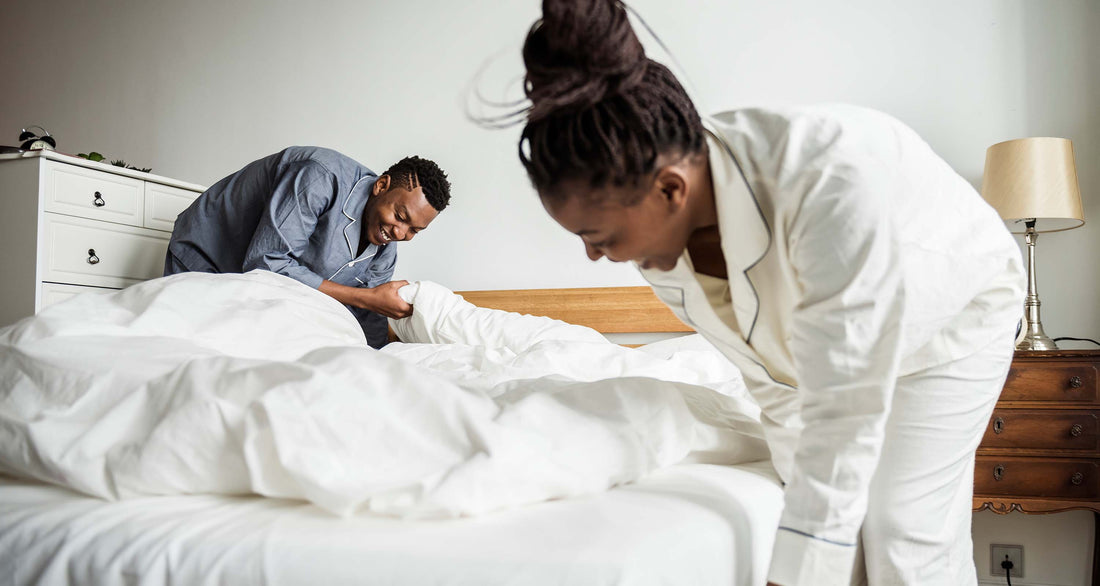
<point>234,384</point>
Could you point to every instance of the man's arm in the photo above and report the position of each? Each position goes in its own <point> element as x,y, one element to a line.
<point>299,196</point>
<point>382,299</point>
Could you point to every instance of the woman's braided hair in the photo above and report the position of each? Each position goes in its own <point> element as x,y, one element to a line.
<point>601,111</point>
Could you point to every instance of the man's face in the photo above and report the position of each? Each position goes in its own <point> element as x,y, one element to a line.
<point>394,213</point>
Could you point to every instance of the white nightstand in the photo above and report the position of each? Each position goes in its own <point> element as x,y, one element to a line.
<point>68,226</point>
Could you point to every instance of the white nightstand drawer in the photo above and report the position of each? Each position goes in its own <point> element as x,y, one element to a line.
<point>73,190</point>
<point>49,221</point>
<point>164,203</point>
<point>56,293</point>
<point>87,252</point>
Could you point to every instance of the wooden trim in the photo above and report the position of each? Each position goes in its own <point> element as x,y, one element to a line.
<point>1029,505</point>
<point>609,310</point>
<point>1085,353</point>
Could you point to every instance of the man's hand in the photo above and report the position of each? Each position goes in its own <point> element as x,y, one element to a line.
<point>382,299</point>
<point>385,300</point>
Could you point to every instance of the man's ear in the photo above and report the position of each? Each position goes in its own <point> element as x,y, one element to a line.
<point>672,183</point>
<point>381,185</point>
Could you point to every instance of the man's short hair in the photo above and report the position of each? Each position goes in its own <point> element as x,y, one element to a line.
<point>412,172</point>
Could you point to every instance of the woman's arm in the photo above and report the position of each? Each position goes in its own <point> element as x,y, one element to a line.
<point>845,342</point>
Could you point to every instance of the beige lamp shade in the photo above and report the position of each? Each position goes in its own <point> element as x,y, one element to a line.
<point>1035,178</point>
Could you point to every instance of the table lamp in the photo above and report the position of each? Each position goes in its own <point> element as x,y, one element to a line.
<point>1032,183</point>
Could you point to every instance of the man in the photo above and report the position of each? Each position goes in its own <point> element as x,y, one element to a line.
<point>318,217</point>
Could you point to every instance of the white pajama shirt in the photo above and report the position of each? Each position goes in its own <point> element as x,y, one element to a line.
<point>856,258</point>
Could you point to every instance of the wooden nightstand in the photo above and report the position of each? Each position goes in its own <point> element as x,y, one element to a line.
<point>1041,451</point>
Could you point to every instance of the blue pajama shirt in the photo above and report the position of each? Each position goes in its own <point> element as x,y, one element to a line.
<point>298,213</point>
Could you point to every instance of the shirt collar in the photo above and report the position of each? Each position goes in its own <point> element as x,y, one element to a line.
<point>353,208</point>
<point>739,211</point>
<point>746,236</point>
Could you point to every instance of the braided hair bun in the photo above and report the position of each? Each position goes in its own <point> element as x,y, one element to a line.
<point>580,52</point>
<point>601,111</point>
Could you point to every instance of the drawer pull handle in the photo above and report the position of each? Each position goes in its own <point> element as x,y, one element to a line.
<point>1076,430</point>
<point>92,258</point>
<point>998,472</point>
<point>1077,479</point>
<point>99,201</point>
<point>1075,382</point>
<point>998,425</point>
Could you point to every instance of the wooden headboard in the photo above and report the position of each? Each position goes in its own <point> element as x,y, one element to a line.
<point>608,310</point>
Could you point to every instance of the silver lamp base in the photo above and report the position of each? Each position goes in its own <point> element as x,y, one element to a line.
<point>1034,337</point>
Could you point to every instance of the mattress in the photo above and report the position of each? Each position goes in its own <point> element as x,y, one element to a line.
<point>688,524</point>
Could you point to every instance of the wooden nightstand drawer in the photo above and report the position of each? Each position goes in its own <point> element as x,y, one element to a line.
<point>1071,382</point>
<point>1042,430</point>
<point>88,193</point>
<point>87,252</point>
<point>1035,477</point>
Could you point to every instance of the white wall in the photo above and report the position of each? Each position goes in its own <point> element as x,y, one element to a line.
<point>1057,548</point>
<point>196,89</point>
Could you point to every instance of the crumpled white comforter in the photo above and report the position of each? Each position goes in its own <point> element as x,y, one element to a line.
<point>255,383</point>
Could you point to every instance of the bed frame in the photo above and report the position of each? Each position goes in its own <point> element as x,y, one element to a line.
<point>608,310</point>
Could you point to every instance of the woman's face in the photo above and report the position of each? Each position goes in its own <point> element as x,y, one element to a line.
<point>652,232</point>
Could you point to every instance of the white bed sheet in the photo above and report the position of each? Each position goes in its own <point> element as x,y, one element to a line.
<point>257,384</point>
<point>688,524</point>
<point>691,523</point>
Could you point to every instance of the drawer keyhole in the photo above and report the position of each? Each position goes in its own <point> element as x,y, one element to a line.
<point>998,472</point>
<point>1076,430</point>
<point>1075,382</point>
<point>92,258</point>
<point>99,201</point>
<point>1077,479</point>
<point>998,425</point>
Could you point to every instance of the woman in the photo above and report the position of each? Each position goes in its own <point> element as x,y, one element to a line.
<point>865,290</point>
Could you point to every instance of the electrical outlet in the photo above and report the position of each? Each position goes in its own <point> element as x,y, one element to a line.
<point>1015,554</point>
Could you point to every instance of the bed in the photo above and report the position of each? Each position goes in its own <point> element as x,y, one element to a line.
<point>694,521</point>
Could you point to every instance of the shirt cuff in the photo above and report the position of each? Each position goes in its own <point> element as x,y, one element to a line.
<point>803,560</point>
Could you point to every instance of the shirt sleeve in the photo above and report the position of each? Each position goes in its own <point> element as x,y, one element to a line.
<point>301,194</point>
<point>845,344</point>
